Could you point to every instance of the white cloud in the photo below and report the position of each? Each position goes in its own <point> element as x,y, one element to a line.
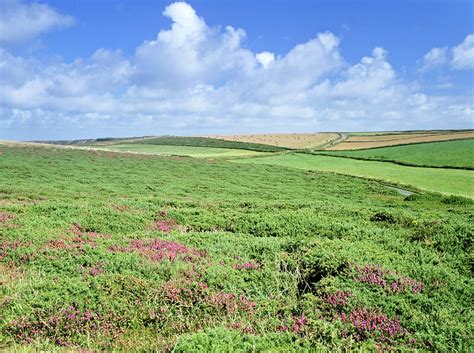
<point>435,57</point>
<point>196,79</point>
<point>460,57</point>
<point>265,58</point>
<point>463,54</point>
<point>191,53</point>
<point>21,22</point>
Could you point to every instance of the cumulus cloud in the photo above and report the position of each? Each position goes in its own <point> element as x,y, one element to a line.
<point>463,54</point>
<point>435,57</point>
<point>191,53</point>
<point>265,58</point>
<point>20,22</point>
<point>460,57</point>
<point>196,79</point>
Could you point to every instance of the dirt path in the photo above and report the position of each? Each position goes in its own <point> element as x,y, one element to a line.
<point>342,137</point>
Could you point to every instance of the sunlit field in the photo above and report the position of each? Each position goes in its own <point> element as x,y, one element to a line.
<point>118,251</point>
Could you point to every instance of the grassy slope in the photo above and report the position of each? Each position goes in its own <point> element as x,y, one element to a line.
<point>200,152</point>
<point>303,230</point>
<point>173,141</point>
<point>440,154</point>
<point>448,181</point>
<point>206,142</point>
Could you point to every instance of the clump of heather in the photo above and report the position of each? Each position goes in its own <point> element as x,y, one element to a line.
<point>299,323</point>
<point>250,265</point>
<point>6,217</point>
<point>5,220</point>
<point>296,325</point>
<point>75,239</point>
<point>159,249</point>
<point>338,299</point>
<point>363,324</point>
<point>406,283</point>
<point>6,247</point>
<point>63,327</point>
<point>391,281</point>
<point>80,233</point>
<point>163,223</point>
<point>191,292</point>
<point>231,303</point>
<point>92,271</point>
<point>185,292</point>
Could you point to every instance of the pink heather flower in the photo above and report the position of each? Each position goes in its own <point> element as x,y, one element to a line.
<point>299,323</point>
<point>337,299</point>
<point>375,275</point>
<point>158,250</point>
<point>365,322</point>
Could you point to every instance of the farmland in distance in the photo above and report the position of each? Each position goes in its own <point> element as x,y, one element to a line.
<point>371,140</point>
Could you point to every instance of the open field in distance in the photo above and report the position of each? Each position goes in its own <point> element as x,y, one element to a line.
<point>171,141</point>
<point>372,141</point>
<point>447,181</point>
<point>199,152</point>
<point>308,140</point>
<point>454,153</point>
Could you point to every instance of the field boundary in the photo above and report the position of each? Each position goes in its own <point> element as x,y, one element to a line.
<point>405,164</point>
<point>381,181</point>
<point>391,133</point>
<point>398,145</point>
<point>405,138</point>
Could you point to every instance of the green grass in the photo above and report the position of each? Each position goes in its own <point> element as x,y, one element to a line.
<point>446,181</point>
<point>457,154</point>
<point>173,141</point>
<point>200,152</point>
<point>192,142</point>
<point>261,253</point>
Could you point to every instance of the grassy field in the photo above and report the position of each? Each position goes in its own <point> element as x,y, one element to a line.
<point>308,140</point>
<point>439,154</point>
<point>199,142</point>
<point>199,152</point>
<point>354,142</point>
<point>171,141</point>
<point>448,181</point>
<point>111,251</point>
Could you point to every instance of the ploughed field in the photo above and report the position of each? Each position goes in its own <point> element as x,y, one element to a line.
<point>303,140</point>
<point>111,251</point>
<point>371,140</point>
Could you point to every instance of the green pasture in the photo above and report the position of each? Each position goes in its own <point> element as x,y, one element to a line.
<point>192,151</point>
<point>445,181</point>
<point>457,153</point>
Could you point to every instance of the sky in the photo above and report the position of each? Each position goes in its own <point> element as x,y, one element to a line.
<point>109,68</point>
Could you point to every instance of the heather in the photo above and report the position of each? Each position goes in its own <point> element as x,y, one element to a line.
<point>106,251</point>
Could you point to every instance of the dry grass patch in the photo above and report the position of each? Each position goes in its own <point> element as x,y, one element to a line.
<point>307,140</point>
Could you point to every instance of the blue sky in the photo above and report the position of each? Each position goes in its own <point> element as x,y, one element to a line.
<point>77,69</point>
